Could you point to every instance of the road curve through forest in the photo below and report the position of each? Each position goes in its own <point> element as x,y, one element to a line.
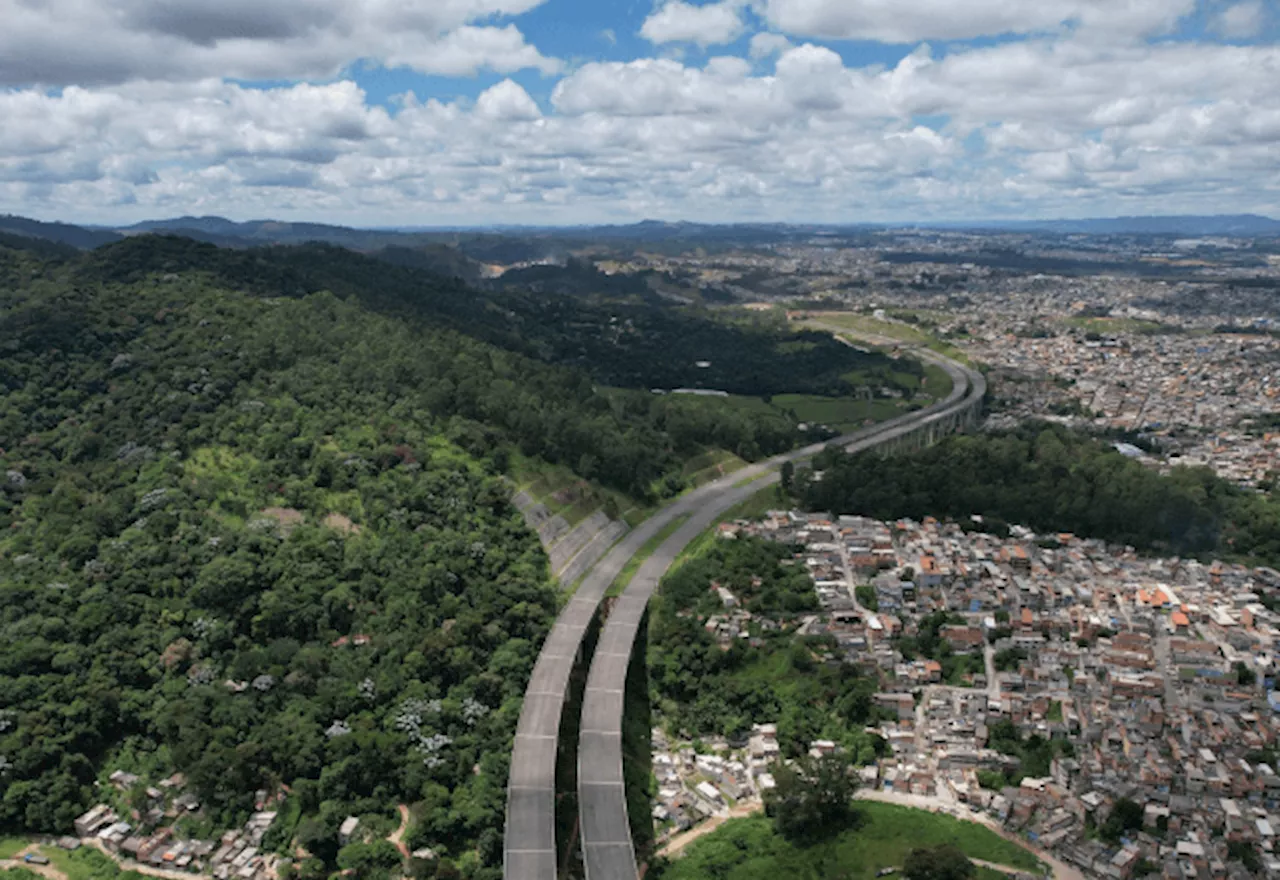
<point>530,845</point>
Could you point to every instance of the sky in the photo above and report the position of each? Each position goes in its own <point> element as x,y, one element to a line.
<point>553,112</point>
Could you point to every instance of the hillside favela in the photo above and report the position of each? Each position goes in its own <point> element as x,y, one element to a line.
<point>661,440</point>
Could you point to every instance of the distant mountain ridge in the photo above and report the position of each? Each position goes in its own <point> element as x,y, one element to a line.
<point>486,245</point>
<point>1245,225</point>
<point>63,233</point>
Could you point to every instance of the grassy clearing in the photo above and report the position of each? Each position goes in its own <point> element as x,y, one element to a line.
<point>844,414</point>
<point>633,564</point>
<point>841,413</point>
<point>747,849</point>
<point>745,404</point>
<point>895,330</point>
<point>86,863</point>
<point>1118,325</point>
<point>11,846</point>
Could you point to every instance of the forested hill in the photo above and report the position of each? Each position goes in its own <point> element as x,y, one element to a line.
<point>627,344</point>
<point>252,529</point>
<point>257,541</point>
<point>1054,480</point>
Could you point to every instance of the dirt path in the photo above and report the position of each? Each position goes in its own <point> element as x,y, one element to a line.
<point>48,871</point>
<point>52,873</point>
<point>131,865</point>
<point>1003,869</point>
<point>673,846</point>
<point>397,836</point>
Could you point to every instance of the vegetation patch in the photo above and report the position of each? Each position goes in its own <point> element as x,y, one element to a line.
<point>11,846</point>
<point>904,332</point>
<point>707,684</point>
<point>884,836</point>
<point>1053,479</point>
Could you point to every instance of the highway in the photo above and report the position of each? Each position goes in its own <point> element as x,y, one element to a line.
<point>530,845</point>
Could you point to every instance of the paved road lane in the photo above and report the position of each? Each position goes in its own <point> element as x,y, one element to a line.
<point>530,845</point>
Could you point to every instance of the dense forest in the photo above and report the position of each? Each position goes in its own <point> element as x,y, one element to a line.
<point>625,343</point>
<point>774,677</point>
<point>253,525</point>
<point>1052,479</point>
<point>261,542</point>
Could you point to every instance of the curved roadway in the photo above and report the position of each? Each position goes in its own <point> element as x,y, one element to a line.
<point>530,846</point>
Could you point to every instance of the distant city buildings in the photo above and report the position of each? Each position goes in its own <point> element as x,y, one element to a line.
<point>1158,673</point>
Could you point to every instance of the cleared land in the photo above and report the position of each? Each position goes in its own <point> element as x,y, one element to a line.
<point>905,332</point>
<point>749,849</point>
<point>11,846</point>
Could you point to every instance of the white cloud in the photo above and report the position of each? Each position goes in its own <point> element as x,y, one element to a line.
<point>679,22</point>
<point>1240,20</point>
<point>507,100</point>
<point>909,21</point>
<point>87,42</point>
<point>1047,125</point>
<point>768,45</point>
<point>464,51</point>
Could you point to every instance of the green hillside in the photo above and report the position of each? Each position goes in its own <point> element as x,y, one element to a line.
<point>262,541</point>
<point>746,849</point>
<point>255,525</point>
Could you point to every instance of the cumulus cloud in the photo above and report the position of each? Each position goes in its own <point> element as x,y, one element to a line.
<point>767,45</point>
<point>679,22</point>
<point>1048,125</point>
<point>910,21</point>
<point>507,100</point>
<point>86,42</point>
<point>1240,20</point>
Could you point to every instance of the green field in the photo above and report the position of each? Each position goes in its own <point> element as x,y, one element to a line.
<point>907,333</point>
<point>11,846</point>
<point>748,849</point>
<point>844,414</point>
<point>87,863</point>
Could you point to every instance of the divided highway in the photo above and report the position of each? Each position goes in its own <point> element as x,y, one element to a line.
<point>530,845</point>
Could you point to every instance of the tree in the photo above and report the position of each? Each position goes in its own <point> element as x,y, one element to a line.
<point>812,798</point>
<point>943,862</point>
<point>369,860</point>
<point>1240,851</point>
<point>787,473</point>
<point>319,836</point>
<point>1125,816</point>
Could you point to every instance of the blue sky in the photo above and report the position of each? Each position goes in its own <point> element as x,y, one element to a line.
<point>581,31</point>
<point>578,31</point>
<point>563,111</point>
